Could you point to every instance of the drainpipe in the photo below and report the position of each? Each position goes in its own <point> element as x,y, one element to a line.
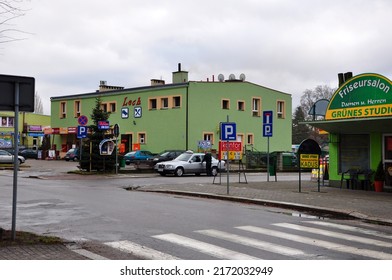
<point>187,118</point>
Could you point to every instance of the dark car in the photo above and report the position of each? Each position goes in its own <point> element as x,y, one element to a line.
<point>29,153</point>
<point>135,156</point>
<point>72,154</point>
<point>167,155</point>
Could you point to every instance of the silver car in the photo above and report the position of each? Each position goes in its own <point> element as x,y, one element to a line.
<point>7,157</point>
<point>188,163</point>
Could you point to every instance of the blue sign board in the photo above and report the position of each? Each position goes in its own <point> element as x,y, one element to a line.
<point>103,125</point>
<point>267,123</point>
<point>228,131</point>
<point>82,132</point>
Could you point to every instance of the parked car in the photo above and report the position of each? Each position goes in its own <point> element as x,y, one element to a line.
<point>167,155</point>
<point>72,154</point>
<point>135,156</point>
<point>29,153</point>
<point>188,163</point>
<point>7,157</point>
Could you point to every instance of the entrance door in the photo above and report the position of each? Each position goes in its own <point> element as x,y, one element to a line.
<point>387,155</point>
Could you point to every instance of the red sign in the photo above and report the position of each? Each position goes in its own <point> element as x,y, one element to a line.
<point>233,146</point>
<point>72,130</point>
<point>82,120</point>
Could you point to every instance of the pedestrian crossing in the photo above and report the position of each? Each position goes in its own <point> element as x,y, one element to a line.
<point>307,240</point>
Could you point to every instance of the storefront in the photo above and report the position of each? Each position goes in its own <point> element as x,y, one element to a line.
<point>359,122</point>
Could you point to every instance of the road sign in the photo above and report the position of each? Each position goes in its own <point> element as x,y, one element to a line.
<point>82,120</point>
<point>82,132</point>
<point>267,123</point>
<point>116,130</point>
<point>228,131</point>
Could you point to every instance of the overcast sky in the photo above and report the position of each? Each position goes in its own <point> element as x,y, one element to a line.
<point>286,45</point>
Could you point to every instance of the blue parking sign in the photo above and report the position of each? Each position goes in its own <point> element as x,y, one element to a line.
<point>267,123</point>
<point>82,132</point>
<point>228,131</point>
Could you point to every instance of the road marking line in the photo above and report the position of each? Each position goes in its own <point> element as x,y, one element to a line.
<point>267,246</point>
<point>352,228</point>
<point>90,255</point>
<point>333,234</point>
<point>319,243</point>
<point>204,247</point>
<point>140,251</point>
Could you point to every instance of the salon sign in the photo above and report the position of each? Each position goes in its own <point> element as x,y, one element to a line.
<point>363,96</point>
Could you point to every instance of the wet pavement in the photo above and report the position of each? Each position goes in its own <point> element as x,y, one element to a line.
<point>375,207</point>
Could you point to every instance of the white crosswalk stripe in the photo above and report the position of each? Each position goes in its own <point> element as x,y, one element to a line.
<point>351,229</point>
<point>320,243</point>
<point>267,246</point>
<point>314,233</point>
<point>204,247</point>
<point>140,251</point>
<point>343,236</point>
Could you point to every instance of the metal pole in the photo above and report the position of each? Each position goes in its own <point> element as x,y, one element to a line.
<point>16,161</point>
<point>228,164</point>
<point>268,163</point>
<point>116,157</point>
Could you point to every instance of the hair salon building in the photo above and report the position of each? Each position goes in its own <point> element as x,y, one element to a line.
<point>178,115</point>
<point>359,121</point>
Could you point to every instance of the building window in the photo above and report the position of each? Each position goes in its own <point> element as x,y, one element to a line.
<point>112,107</point>
<point>77,108</point>
<point>164,103</point>
<point>6,121</point>
<point>152,104</point>
<point>63,110</point>
<point>208,136</point>
<point>256,107</point>
<point>176,101</point>
<point>141,137</point>
<point>225,104</point>
<point>280,110</point>
<point>250,139</point>
<point>104,107</point>
<point>240,105</point>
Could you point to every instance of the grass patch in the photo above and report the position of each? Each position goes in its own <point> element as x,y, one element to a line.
<point>25,238</point>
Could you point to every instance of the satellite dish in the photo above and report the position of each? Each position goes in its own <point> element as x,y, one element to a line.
<point>232,77</point>
<point>242,77</point>
<point>221,78</point>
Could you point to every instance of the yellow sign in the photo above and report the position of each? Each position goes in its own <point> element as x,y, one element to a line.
<point>309,161</point>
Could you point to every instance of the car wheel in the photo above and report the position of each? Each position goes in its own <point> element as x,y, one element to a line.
<point>75,159</point>
<point>214,171</point>
<point>179,172</point>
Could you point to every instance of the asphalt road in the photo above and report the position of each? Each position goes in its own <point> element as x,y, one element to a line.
<point>101,211</point>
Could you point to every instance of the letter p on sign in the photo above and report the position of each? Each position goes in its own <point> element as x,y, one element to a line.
<point>228,132</point>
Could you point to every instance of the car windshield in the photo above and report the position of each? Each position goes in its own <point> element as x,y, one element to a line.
<point>184,157</point>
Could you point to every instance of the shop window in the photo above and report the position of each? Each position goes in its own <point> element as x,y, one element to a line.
<point>241,105</point>
<point>354,152</point>
<point>63,110</point>
<point>152,104</point>
<point>256,107</point>
<point>280,110</point>
<point>77,108</point>
<point>225,104</point>
<point>164,103</point>
<point>176,101</point>
<point>141,138</point>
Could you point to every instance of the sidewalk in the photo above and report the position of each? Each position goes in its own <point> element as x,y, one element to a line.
<point>366,205</point>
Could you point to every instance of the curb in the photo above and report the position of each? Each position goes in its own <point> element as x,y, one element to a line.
<point>280,204</point>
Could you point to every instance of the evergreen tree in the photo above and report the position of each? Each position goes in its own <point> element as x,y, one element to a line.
<point>300,132</point>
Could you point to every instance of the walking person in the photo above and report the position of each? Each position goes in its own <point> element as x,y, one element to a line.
<point>208,159</point>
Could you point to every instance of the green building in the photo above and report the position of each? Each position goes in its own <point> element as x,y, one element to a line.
<point>31,129</point>
<point>359,121</point>
<point>178,115</point>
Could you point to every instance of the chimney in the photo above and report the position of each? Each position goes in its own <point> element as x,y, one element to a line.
<point>180,76</point>
<point>344,77</point>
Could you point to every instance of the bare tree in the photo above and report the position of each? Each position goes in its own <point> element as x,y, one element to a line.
<point>10,10</point>
<point>311,96</point>
<point>38,106</point>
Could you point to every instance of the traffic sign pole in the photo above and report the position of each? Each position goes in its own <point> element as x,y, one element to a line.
<point>228,164</point>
